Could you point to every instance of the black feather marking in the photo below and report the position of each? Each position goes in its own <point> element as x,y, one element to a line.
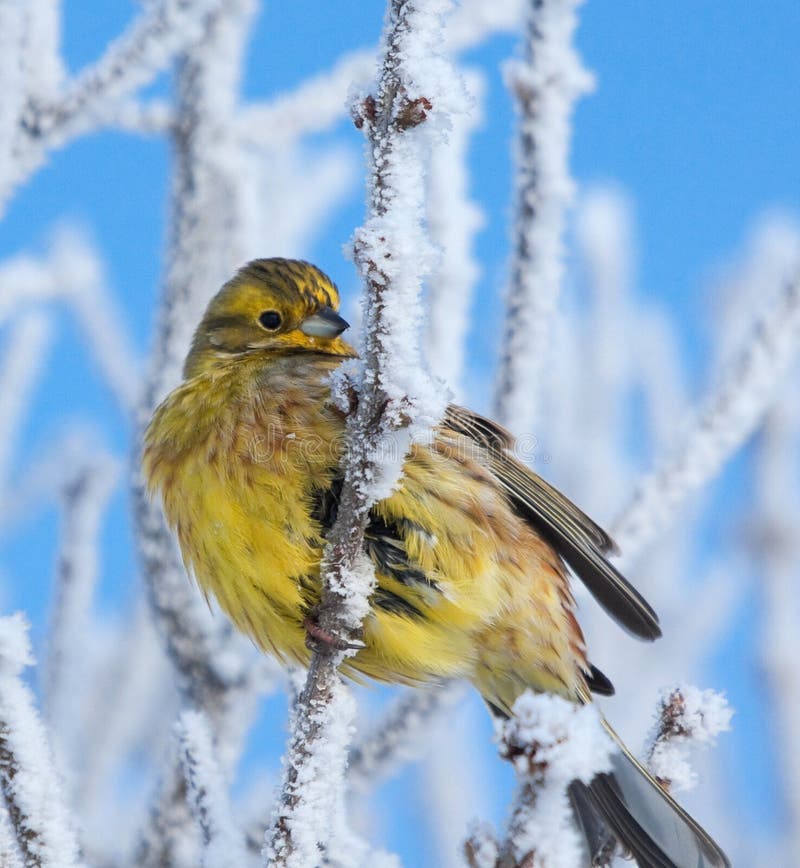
<point>384,541</point>
<point>598,682</point>
<point>394,603</point>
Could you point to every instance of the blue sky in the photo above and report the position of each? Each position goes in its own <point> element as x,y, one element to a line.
<point>696,115</point>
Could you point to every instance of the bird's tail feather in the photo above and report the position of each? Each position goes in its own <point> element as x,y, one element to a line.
<point>630,805</point>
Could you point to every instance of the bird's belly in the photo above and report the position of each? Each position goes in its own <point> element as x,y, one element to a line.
<point>252,545</point>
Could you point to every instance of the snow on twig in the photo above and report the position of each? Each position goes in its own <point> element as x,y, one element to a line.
<point>44,68</point>
<point>453,221</point>
<point>29,782</point>
<point>546,84</point>
<point>416,93</point>
<point>12,94</point>
<point>85,498</point>
<point>775,553</point>
<point>162,32</point>
<point>165,29</point>
<point>207,793</point>
<point>551,742</point>
<point>726,418</point>
<point>687,716</point>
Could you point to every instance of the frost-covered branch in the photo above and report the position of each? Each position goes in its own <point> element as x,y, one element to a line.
<point>551,742</point>
<point>727,417</point>
<point>546,84</point>
<point>207,794</point>
<point>29,782</point>
<point>775,541</point>
<point>686,717</point>
<point>396,403</point>
<point>164,30</point>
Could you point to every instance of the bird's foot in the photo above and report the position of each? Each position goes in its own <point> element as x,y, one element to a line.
<point>316,636</point>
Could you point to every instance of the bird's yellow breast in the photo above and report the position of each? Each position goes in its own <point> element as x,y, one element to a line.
<point>241,453</point>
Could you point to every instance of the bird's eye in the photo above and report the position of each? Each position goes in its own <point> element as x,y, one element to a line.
<point>270,319</point>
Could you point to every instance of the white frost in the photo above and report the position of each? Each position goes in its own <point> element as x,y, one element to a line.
<point>687,716</point>
<point>29,781</point>
<point>551,743</point>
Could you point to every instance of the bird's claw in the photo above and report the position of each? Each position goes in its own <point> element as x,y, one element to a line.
<point>317,635</point>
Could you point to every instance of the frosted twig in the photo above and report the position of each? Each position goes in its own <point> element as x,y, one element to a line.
<point>396,402</point>
<point>397,735</point>
<point>158,35</point>
<point>453,220</point>
<point>12,93</point>
<point>686,716</point>
<point>19,370</point>
<point>546,84</point>
<point>29,782</point>
<point>481,849</point>
<point>10,857</point>
<point>85,497</point>
<point>165,30</point>
<point>44,69</point>
<point>207,794</point>
<point>776,553</point>
<point>551,742</point>
<point>727,417</point>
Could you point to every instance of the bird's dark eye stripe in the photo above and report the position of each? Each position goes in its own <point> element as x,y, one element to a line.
<point>270,319</point>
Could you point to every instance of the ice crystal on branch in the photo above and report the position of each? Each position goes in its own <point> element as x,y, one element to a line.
<point>687,716</point>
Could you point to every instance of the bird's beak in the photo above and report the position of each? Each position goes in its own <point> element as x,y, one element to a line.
<point>325,323</point>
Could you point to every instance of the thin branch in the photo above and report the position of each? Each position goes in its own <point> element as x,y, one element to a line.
<point>546,84</point>
<point>686,717</point>
<point>396,403</point>
<point>728,416</point>
<point>30,784</point>
<point>207,793</point>
<point>775,550</point>
<point>133,60</point>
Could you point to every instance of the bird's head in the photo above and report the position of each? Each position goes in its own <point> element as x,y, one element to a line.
<point>270,306</point>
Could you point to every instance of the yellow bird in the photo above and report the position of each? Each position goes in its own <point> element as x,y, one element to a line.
<point>470,552</point>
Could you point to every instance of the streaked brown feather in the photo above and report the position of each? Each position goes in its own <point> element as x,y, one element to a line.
<point>582,543</point>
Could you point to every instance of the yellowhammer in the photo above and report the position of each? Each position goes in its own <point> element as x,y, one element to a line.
<point>470,551</point>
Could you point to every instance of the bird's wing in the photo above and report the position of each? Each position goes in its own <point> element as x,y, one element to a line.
<point>580,542</point>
